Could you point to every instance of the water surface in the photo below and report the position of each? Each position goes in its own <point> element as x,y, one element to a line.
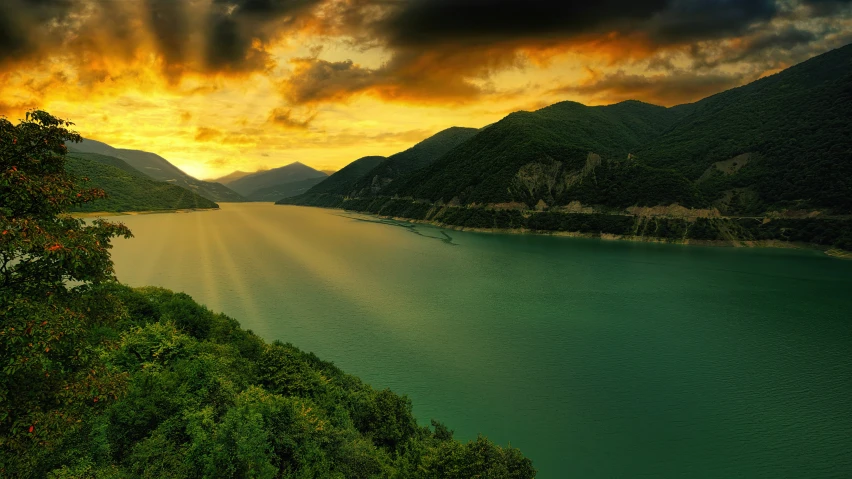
<point>596,358</point>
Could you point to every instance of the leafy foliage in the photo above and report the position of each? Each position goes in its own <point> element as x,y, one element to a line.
<point>204,398</point>
<point>48,263</point>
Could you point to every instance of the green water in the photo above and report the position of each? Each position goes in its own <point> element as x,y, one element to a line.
<point>597,359</point>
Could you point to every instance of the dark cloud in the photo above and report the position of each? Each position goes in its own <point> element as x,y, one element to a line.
<point>424,22</point>
<point>26,27</point>
<point>169,23</point>
<point>694,20</point>
<point>238,30</point>
<point>787,38</point>
<point>826,7</point>
<point>317,80</point>
<point>188,35</point>
<point>446,50</point>
<point>440,75</point>
<point>284,119</point>
<point>664,89</point>
<point>436,22</point>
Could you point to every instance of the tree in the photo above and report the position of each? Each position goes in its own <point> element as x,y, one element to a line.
<point>50,264</point>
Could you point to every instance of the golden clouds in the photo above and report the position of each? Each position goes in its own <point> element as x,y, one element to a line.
<point>215,85</point>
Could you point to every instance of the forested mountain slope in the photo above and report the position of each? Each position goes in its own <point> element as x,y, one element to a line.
<point>782,142</point>
<point>791,134</point>
<point>158,168</point>
<point>413,159</point>
<point>127,188</point>
<point>778,147</point>
<point>343,181</point>
<point>544,155</point>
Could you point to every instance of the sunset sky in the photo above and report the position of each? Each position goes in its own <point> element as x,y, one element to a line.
<point>221,85</point>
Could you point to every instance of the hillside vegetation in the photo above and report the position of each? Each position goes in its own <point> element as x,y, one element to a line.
<point>200,397</point>
<point>343,181</point>
<point>104,381</point>
<point>128,189</point>
<point>158,168</point>
<point>415,158</point>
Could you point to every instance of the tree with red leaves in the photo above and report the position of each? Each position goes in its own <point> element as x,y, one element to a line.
<point>50,264</point>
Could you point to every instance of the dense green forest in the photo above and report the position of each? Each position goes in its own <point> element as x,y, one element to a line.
<point>196,396</point>
<point>778,144</point>
<point>406,162</point>
<point>127,189</point>
<point>105,381</point>
<point>343,181</point>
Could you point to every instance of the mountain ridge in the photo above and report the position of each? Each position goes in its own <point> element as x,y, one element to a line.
<point>127,188</point>
<point>779,146</point>
<point>292,172</point>
<point>158,168</point>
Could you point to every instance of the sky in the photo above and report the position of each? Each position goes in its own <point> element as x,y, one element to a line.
<point>221,85</point>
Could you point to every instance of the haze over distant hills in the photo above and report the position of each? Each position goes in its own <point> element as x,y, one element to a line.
<point>158,168</point>
<point>778,146</point>
<point>275,183</point>
<point>235,175</point>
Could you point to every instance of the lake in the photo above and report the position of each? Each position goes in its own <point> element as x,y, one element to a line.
<point>597,359</point>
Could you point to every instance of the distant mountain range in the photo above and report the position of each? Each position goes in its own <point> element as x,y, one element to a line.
<point>231,177</point>
<point>274,184</point>
<point>780,146</point>
<point>158,168</point>
<point>267,185</point>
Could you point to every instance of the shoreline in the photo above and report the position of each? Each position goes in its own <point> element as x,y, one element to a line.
<point>776,244</point>
<point>614,237</point>
<point>95,214</point>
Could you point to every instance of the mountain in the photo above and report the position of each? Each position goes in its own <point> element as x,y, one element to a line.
<point>529,157</point>
<point>127,188</point>
<point>329,172</point>
<point>747,164</point>
<point>781,142</point>
<point>277,176</point>
<point>343,181</point>
<point>418,156</point>
<point>286,190</point>
<point>371,174</point>
<point>158,168</point>
<point>236,175</point>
